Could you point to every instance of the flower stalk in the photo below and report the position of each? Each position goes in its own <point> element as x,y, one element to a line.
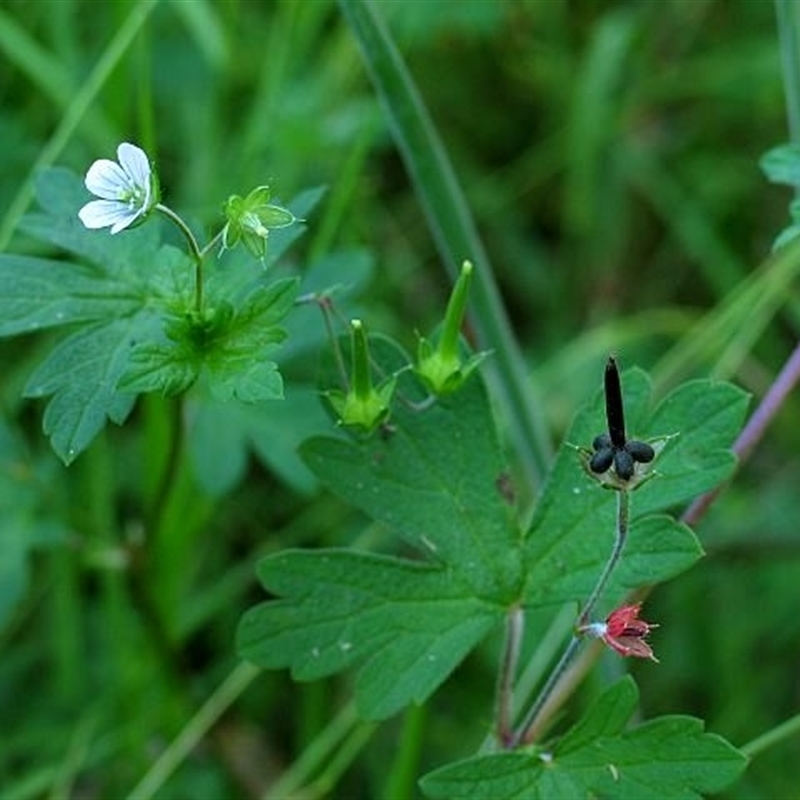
<point>528,725</point>
<point>623,513</point>
<point>127,192</point>
<point>515,623</point>
<point>195,252</point>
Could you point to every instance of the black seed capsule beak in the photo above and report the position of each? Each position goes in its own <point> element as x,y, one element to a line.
<point>615,413</point>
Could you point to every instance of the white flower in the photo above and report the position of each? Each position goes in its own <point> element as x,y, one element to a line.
<point>128,190</point>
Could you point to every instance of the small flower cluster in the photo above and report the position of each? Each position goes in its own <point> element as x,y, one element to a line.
<point>128,191</point>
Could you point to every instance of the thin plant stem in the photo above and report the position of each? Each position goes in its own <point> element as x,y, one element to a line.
<point>140,576</point>
<point>212,244</point>
<point>326,308</point>
<point>194,250</point>
<point>197,727</point>
<point>319,752</point>
<point>755,428</point>
<point>169,472</point>
<point>515,626</point>
<point>791,727</point>
<point>523,733</point>
<point>788,16</point>
<point>623,512</point>
<point>527,727</point>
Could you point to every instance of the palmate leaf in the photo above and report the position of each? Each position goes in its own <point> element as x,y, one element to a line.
<point>669,758</point>
<point>228,350</point>
<point>39,293</point>
<point>573,526</point>
<point>81,375</point>
<point>121,300</point>
<point>435,477</point>
<point>411,622</point>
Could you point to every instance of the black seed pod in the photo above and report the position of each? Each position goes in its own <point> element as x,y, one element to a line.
<point>601,460</point>
<point>640,451</point>
<point>601,442</point>
<point>623,464</point>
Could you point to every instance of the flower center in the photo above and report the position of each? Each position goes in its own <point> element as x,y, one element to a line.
<point>251,221</point>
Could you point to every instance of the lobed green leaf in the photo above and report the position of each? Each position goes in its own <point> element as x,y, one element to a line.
<point>38,293</point>
<point>669,758</point>
<point>81,373</point>
<point>409,623</point>
<point>437,479</point>
<point>573,525</point>
<point>134,301</point>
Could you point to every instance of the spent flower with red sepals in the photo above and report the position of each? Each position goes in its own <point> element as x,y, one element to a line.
<point>624,632</point>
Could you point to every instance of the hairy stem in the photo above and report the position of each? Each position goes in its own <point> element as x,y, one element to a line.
<point>623,513</point>
<point>526,730</point>
<point>194,251</point>
<point>515,624</point>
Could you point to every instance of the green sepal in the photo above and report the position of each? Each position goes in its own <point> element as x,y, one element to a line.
<point>363,406</point>
<point>363,413</point>
<point>441,366</point>
<point>443,374</point>
<point>250,220</point>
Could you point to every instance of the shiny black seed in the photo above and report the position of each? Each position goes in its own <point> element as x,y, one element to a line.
<point>601,460</point>
<point>640,451</point>
<point>623,464</point>
<point>601,442</point>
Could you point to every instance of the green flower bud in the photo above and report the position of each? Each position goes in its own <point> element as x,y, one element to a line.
<point>363,406</point>
<point>441,366</point>
<point>250,220</point>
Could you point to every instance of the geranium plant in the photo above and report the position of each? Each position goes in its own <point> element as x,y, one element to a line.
<point>481,543</point>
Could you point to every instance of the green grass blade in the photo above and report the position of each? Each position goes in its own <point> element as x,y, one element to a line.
<point>40,67</point>
<point>722,338</point>
<point>76,112</point>
<point>788,14</point>
<point>453,229</point>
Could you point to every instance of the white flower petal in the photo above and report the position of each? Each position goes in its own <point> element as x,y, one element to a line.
<point>107,179</point>
<point>134,161</point>
<point>126,190</point>
<point>102,213</point>
<point>125,220</point>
